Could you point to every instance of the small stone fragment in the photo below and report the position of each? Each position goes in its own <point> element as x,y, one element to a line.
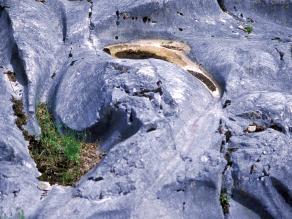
<point>252,128</point>
<point>45,186</point>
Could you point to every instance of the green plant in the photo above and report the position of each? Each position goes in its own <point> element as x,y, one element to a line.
<point>21,214</point>
<point>224,201</point>
<point>53,141</point>
<point>248,29</point>
<point>60,158</point>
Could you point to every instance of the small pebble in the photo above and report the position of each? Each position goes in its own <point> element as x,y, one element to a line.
<point>45,186</point>
<point>252,128</point>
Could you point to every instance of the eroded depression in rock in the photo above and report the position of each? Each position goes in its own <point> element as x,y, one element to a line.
<point>171,51</point>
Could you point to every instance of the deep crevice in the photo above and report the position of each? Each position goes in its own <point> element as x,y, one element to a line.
<point>15,59</point>
<point>282,190</point>
<point>151,129</point>
<point>18,66</point>
<point>281,54</point>
<point>224,192</point>
<point>204,79</point>
<point>63,22</point>
<point>250,202</point>
<point>222,5</point>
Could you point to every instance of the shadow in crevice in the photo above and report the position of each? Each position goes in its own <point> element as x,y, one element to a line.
<point>282,190</point>
<point>111,214</point>
<point>15,54</point>
<point>63,22</point>
<point>18,66</point>
<point>222,5</point>
<point>251,203</point>
<point>116,126</point>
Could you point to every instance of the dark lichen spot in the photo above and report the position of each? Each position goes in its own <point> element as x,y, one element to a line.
<point>95,179</point>
<point>180,13</point>
<point>146,19</point>
<point>73,62</point>
<point>226,104</point>
<point>53,75</point>
<point>41,1</point>
<point>277,38</point>
<point>151,129</point>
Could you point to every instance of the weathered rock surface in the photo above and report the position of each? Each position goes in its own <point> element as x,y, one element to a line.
<point>171,147</point>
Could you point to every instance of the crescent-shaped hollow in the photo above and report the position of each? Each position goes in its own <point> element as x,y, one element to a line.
<point>167,50</point>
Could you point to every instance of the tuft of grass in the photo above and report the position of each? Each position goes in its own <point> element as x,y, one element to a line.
<point>53,141</point>
<point>248,29</point>
<point>224,201</point>
<point>60,158</point>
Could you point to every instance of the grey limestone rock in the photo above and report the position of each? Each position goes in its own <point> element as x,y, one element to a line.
<point>171,148</point>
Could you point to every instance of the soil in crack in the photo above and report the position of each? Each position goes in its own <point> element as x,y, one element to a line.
<point>62,159</point>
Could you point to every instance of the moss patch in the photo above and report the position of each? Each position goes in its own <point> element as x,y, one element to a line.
<point>248,29</point>
<point>61,159</point>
